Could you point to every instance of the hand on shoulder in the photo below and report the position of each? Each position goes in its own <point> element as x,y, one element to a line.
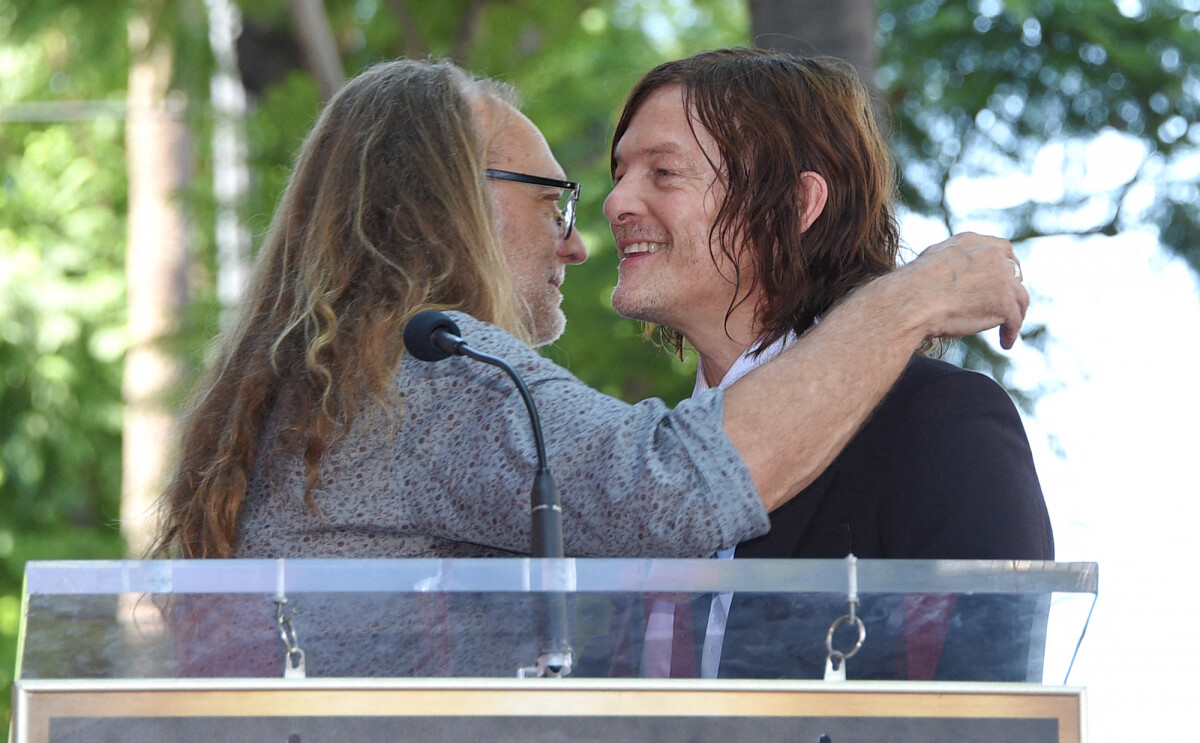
<point>965,284</point>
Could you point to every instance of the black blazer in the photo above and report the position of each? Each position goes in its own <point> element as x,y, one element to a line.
<point>941,470</point>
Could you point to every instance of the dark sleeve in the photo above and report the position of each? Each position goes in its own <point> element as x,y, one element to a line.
<point>959,471</point>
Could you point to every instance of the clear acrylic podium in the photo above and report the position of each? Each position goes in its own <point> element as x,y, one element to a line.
<point>448,650</point>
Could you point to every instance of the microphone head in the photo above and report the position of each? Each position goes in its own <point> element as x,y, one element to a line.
<point>421,332</point>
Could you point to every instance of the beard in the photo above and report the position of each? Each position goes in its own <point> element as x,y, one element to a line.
<point>545,319</point>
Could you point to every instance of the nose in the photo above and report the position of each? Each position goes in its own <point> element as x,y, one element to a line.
<point>572,250</point>
<point>620,203</point>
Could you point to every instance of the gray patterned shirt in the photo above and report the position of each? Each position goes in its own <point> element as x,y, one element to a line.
<point>450,475</point>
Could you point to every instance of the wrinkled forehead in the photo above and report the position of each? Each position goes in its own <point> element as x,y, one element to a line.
<point>511,141</point>
<point>664,121</point>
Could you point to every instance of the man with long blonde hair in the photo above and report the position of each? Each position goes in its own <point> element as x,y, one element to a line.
<point>422,188</point>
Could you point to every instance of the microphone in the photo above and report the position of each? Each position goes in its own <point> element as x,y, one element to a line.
<point>433,336</point>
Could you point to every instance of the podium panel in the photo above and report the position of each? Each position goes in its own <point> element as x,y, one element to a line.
<point>546,710</point>
<point>376,649</point>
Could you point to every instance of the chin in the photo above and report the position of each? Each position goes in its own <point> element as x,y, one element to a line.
<point>620,302</point>
<point>549,328</point>
<point>630,307</point>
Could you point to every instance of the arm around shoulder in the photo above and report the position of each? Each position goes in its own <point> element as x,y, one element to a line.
<point>790,418</point>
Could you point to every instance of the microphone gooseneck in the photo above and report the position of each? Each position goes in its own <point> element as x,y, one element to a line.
<point>432,336</point>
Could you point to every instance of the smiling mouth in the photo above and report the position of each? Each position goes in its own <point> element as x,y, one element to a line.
<point>640,248</point>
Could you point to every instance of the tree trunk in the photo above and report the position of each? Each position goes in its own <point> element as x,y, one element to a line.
<point>157,155</point>
<point>844,29</point>
<point>414,45</point>
<point>315,36</point>
<point>231,174</point>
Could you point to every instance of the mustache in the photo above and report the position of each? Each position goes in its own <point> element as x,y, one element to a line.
<point>636,233</point>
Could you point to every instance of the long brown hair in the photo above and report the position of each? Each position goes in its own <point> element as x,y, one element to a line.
<point>386,214</point>
<point>775,116</point>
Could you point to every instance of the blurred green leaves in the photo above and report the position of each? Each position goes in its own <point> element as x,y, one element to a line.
<point>62,338</point>
<point>977,88</point>
<point>980,88</point>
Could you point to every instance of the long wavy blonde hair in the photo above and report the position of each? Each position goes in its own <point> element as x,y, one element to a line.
<point>386,214</point>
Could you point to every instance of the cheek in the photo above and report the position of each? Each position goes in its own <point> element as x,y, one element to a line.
<point>520,269</point>
<point>515,241</point>
<point>711,206</point>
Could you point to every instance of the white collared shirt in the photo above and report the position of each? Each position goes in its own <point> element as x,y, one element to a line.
<point>718,614</point>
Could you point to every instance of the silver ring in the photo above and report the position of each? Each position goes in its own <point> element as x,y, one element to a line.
<point>862,635</point>
<point>1016,269</point>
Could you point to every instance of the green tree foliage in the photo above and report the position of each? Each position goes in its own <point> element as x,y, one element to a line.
<point>62,205</point>
<point>1020,90</point>
<point>977,88</point>
<point>981,88</point>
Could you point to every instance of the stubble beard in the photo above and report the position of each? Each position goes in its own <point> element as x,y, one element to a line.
<point>547,323</point>
<point>632,304</point>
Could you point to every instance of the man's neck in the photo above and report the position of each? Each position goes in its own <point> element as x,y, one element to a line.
<point>715,369</point>
<point>720,349</point>
<point>721,339</point>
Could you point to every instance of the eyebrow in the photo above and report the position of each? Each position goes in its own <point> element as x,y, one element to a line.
<point>672,149</point>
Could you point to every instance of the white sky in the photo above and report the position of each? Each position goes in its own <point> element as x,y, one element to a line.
<point>1125,495</point>
<point>1125,412</point>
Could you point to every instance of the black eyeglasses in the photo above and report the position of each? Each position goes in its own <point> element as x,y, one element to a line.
<point>567,204</point>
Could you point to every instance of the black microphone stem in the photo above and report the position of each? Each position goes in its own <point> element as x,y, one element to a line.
<point>433,336</point>
<point>547,538</point>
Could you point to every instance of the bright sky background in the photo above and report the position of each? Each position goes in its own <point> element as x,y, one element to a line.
<point>1124,414</point>
<point>1125,493</point>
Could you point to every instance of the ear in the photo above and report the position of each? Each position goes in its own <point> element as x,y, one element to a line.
<point>813,193</point>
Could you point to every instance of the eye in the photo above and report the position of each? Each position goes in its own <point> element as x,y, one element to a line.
<point>556,211</point>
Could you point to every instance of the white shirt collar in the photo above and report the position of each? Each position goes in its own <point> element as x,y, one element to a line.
<point>745,364</point>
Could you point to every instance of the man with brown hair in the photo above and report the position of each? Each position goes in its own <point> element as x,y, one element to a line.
<point>314,434</point>
<point>752,193</point>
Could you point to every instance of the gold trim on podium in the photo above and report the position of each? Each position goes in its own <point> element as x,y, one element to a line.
<point>37,703</point>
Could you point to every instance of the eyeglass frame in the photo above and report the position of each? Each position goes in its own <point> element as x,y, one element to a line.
<point>568,212</point>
